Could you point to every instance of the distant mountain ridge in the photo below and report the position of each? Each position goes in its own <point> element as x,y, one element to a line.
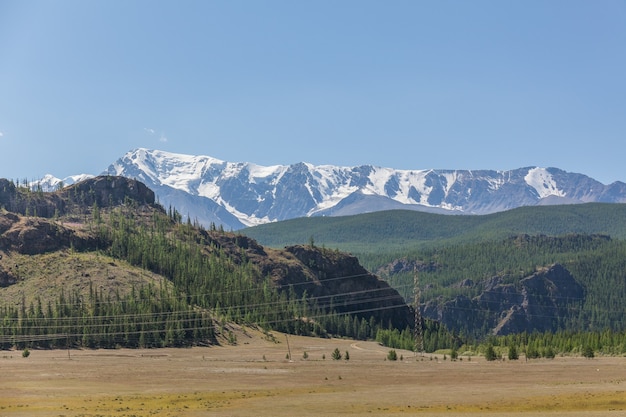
<point>240,194</point>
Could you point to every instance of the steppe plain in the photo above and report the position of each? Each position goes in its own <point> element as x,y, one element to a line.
<point>255,378</point>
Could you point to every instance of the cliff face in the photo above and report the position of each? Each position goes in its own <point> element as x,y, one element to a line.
<point>536,304</point>
<point>107,191</point>
<point>347,286</point>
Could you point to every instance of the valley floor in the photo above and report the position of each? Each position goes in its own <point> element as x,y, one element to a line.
<point>254,378</point>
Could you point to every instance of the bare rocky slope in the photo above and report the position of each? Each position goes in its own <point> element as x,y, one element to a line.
<point>534,304</point>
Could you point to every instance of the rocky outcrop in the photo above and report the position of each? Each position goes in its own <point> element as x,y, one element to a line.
<point>103,191</point>
<point>340,282</point>
<point>36,235</point>
<point>537,303</point>
<point>7,277</point>
<point>107,191</point>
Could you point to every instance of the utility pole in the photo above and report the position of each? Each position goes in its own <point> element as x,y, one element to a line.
<point>288,348</point>
<point>418,329</point>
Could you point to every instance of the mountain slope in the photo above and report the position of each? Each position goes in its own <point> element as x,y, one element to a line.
<point>238,194</point>
<point>100,264</point>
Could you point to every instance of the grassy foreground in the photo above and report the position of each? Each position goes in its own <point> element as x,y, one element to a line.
<point>254,378</point>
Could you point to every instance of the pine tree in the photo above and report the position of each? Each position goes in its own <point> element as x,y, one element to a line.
<point>490,353</point>
<point>513,355</point>
<point>336,355</point>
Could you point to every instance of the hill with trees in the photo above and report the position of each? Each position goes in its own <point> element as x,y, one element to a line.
<point>395,231</point>
<point>531,269</point>
<point>101,264</point>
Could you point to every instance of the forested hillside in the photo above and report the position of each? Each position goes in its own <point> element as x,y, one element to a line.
<point>454,273</point>
<point>103,265</point>
<point>396,231</point>
<point>492,274</point>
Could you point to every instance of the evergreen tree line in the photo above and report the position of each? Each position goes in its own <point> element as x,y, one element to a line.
<point>146,317</point>
<point>533,345</point>
<point>434,337</point>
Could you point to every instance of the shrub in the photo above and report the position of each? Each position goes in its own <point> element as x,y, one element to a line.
<point>25,353</point>
<point>392,355</point>
<point>336,355</point>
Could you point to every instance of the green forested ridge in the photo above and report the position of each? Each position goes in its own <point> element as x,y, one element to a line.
<point>397,231</point>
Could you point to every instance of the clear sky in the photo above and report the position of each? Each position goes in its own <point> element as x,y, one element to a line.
<point>401,84</point>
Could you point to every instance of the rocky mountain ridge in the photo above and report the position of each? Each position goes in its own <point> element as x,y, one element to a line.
<point>240,194</point>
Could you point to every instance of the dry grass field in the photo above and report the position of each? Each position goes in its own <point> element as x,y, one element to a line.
<point>255,378</point>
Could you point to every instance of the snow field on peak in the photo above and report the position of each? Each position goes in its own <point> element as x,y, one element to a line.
<point>543,182</point>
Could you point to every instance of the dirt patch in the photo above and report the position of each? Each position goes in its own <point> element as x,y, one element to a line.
<point>256,378</point>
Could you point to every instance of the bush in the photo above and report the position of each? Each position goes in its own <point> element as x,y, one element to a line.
<point>25,353</point>
<point>336,354</point>
<point>392,355</point>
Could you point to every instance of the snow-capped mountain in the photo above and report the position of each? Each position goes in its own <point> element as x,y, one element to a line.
<point>240,194</point>
<point>51,183</point>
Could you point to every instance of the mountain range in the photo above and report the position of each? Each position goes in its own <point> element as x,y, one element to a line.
<point>242,194</point>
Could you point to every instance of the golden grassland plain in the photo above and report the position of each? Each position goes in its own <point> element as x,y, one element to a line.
<point>255,378</point>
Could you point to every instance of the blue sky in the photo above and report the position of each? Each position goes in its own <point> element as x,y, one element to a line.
<point>403,84</point>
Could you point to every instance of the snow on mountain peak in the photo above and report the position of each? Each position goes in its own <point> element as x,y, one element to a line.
<point>543,182</point>
<point>51,183</point>
<point>237,194</point>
